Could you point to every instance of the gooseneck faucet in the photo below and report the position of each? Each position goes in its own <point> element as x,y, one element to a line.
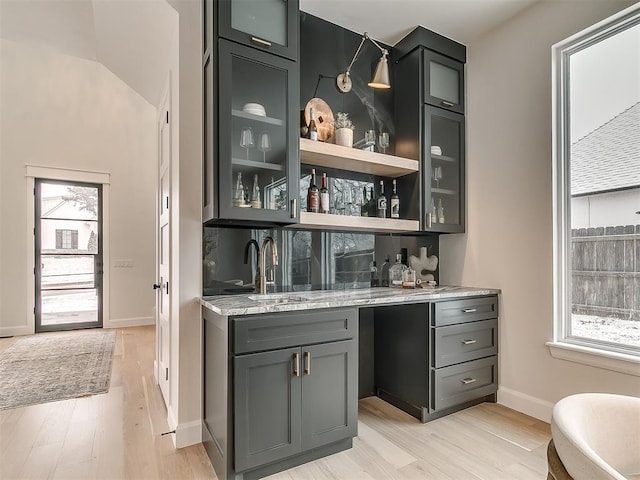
<point>256,280</point>
<point>268,241</point>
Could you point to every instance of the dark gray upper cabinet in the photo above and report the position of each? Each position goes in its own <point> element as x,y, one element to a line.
<point>250,115</point>
<point>269,25</point>
<point>443,82</point>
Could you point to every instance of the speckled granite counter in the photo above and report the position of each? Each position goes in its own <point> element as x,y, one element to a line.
<point>228,305</point>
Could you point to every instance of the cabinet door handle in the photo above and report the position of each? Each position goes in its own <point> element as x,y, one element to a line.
<point>447,104</point>
<point>469,310</point>
<point>294,208</point>
<point>467,381</point>
<point>260,41</point>
<point>307,363</point>
<point>469,342</point>
<point>296,365</point>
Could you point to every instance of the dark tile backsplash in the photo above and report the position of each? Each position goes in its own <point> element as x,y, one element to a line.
<point>308,259</point>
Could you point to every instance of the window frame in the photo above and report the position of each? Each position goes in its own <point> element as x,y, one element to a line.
<point>587,351</point>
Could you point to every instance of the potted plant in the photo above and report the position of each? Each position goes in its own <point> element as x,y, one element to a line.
<point>344,130</point>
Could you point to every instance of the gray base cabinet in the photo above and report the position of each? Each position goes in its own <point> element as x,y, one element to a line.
<point>280,389</point>
<point>436,358</point>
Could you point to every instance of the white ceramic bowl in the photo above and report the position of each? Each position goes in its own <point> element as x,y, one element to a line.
<point>254,109</point>
<point>436,150</point>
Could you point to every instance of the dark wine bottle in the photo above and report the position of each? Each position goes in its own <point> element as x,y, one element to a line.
<point>382,202</point>
<point>313,194</point>
<point>324,195</point>
<point>372,206</point>
<point>395,202</point>
<point>364,208</point>
<point>313,129</point>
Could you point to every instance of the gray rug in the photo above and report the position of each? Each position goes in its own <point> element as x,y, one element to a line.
<point>54,366</point>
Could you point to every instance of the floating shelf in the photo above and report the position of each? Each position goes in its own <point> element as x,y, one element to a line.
<point>444,158</point>
<point>328,155</point>
<point>259,165</point>
<point>328,221</point>
<point>257,118</point>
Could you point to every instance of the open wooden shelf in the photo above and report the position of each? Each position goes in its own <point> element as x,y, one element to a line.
<point>328,155</point>
<point>327,221</point>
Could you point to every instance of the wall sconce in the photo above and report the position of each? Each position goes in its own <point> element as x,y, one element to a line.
<point>380,77</point>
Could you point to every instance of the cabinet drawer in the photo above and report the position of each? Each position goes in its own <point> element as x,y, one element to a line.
<point>463,382</point>
<point>270,331</point>
<point>467,310</point>
<point>464,342</point>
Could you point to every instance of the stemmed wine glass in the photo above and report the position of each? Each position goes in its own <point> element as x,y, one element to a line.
<point>383,141</point>
<point>437,175</point>
<point>264,145</point>
<point>246,139</point>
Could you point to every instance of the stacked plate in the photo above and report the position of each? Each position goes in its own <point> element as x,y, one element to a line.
<point>254,109</point>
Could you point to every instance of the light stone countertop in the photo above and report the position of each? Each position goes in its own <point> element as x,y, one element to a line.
<point>228,305</point>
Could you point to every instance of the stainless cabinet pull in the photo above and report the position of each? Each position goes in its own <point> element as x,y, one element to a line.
<point>294,208</point>
<point>307,363</point>
<point>469,310</point>
<point>447,104</point>
<point>469,342</point>
<point>260,41</point>
<point>296,365</point>
<point>467,381</point>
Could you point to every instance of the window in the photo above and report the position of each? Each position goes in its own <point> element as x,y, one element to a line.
<point>597,188</point>
<point>66,239</point>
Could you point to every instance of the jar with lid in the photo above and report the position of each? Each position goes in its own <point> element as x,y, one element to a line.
<point>396,272</point>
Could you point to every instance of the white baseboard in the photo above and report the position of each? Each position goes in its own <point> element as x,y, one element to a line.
<point>15,331</point>
<point>535,407</point>
<point>188,434</point>
<point>129,322</point>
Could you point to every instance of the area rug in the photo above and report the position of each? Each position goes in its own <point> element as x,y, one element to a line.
<point>48,367</point>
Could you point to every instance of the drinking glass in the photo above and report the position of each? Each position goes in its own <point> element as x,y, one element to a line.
<point>437,175</point>
<point>265,145</point>
<point>370,137</point>
<point>246,139</point>
<point>383,141</point>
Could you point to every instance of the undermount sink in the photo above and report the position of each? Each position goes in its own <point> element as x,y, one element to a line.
<point>277,298</point>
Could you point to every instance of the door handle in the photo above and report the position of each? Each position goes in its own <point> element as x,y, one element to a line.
<point>260,41</point>
<point>307,363</point>
<point>294,208</point>
<point>156,286</point>
<point>296,365</point>
<point>447,104</point>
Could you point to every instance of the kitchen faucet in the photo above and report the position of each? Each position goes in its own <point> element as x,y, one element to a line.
<point>256,280</point>
<point>268,241</point>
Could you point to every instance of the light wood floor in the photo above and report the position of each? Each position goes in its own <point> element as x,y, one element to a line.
<point>117,435</point>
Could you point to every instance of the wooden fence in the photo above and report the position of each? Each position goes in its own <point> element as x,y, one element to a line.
<point>606,271</point>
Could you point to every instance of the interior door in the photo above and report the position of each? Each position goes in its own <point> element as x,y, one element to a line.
<point>163,320</point>
<point>68,255</point>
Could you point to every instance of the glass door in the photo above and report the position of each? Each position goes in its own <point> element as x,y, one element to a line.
<point>258,145</point>
<point>444,82</point>
<point>68,255</point>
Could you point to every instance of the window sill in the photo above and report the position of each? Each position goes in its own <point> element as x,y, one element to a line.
<point>595,357</point>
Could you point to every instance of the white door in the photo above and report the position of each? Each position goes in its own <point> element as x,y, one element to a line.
<point>163,307</point>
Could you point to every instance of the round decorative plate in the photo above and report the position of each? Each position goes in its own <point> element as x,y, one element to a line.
<point>324,118</point>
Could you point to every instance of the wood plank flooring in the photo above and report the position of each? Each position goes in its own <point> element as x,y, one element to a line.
<point>118,435</point>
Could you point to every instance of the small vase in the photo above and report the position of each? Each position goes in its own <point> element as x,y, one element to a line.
<point>344,137</point>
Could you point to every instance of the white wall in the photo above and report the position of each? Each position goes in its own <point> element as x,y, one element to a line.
<point>509,239</point>
<point>65,112</point>
<point>606,209</point>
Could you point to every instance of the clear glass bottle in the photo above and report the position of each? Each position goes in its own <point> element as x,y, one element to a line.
<point>409,278</point>
<point>375,282</point>
<point>255,193</point>
<point>434,214</point>
<point>440,211</point>
<point>396,272</point>
<point>238,198</point>
<point>384,273</point>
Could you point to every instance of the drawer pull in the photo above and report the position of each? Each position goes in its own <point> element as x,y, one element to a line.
<point>447,104</point>
<point>469,342</point>
<point>296,365</point>
<point>307,363</point>
<point>469,310</point>
<point>260,41</point>
<point>467,381</point>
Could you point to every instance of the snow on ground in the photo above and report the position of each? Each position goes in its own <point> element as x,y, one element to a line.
<point>607,329</point>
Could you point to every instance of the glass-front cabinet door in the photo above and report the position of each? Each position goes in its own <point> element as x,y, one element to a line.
<point>443,171</point>
<point>444,82</point>
<point>258,139</point>
<point>270,25</point>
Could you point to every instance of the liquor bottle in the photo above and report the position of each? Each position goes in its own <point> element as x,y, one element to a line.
<point>372,204</point>
<point>374,275</point>
<point>434,215</point>
<point>384,273</point>
<point>409,278</point>
<point>324,195</point>
<point>395,202</point>
<point>313,129</point>
<point>238,199</point>
<point>313,194</point>
<point>396,272</point>
<point>440,211</point>
<point>382,202</point>
<point>364,207</point>
<point>255,193</point>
